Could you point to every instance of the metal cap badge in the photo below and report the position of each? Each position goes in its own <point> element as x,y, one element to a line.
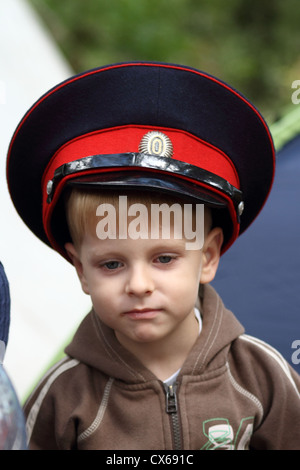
<point>156,143</point>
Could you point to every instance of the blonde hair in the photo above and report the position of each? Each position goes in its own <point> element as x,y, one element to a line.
<point>81,206</point>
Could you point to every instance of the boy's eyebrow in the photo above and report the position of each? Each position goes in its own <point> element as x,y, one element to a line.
<point>159,245</point>
<point>96,252</point>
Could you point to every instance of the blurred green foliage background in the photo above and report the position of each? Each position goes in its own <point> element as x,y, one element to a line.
<point>252,44</point>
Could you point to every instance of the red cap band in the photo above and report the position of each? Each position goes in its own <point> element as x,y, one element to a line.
<point>186,147</point>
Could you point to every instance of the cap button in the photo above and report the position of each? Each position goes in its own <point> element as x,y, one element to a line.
<point>49,187</point>
<point>241,208</point>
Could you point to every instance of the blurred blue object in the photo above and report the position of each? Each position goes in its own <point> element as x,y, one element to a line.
<point>4,310</point>
<point>12,423</point>
<point>259,277</point>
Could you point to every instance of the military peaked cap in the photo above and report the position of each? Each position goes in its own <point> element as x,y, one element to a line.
<point>141,125</point>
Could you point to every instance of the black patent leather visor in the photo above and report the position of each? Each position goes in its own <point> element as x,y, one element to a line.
<point>138,170</point>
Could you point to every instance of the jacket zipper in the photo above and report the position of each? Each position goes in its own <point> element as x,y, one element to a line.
<point>172,410</point>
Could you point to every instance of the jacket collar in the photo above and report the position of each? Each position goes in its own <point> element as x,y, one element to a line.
<point>96,345</point>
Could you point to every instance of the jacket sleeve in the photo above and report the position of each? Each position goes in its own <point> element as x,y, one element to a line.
<point>49,425</point>
<point>277,386</point>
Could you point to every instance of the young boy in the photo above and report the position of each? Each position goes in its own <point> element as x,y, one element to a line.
<point>159,363</point>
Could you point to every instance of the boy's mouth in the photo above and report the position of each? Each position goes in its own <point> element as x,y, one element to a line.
<point>142,313</point>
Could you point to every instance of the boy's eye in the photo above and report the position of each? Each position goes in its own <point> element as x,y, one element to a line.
<point>164,259</point>
<point>112,265</point>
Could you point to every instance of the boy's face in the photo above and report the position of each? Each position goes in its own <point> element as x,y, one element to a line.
<point>144,289</point>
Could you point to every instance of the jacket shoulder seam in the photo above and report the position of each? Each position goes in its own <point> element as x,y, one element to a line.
<point>100,413</point>
<point>52,375</point>
<point>245,393</point>
<point>271,352</point>
<point>210,340</point>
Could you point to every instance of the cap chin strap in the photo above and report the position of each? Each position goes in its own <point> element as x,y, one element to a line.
<point>124,162</point>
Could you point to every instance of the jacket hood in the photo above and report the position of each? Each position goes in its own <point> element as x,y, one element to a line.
<point>107,355</point>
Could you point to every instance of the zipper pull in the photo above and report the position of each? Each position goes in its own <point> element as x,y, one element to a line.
<point>171,399</point>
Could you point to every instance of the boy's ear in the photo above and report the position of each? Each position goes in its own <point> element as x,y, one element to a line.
<point>211,253</point>
<point>74,256</point>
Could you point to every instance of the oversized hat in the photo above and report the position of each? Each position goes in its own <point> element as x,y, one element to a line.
<point>156,126</point>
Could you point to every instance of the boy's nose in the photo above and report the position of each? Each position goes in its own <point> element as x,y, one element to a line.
<point>139,282</point>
